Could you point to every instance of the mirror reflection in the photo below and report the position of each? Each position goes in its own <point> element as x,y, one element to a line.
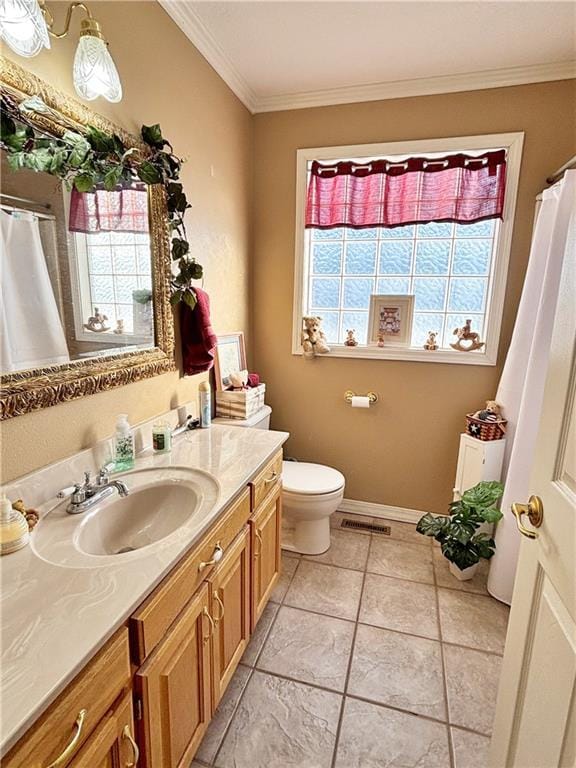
<point>75,271</point>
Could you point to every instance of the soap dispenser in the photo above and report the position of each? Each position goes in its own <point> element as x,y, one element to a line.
<point>124,445</point>
<point>14,533</point>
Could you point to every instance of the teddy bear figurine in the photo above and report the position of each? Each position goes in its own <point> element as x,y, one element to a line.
<point>492,412</point>
<point>238,380</point>
<point>350,340</point>
<point>430,343</point>
<point>313,338</point>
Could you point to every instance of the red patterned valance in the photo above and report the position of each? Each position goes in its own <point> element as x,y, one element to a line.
<point>119,210</point>
<point>383,193</point>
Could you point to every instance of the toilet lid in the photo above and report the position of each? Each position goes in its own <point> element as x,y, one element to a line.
<point>301,477</point>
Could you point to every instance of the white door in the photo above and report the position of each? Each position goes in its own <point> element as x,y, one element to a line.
<point>535,724</point>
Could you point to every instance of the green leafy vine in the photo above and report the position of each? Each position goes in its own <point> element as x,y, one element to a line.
<point>96,159</point>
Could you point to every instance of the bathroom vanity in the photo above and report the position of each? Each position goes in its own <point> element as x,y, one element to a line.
<point>142,690</point>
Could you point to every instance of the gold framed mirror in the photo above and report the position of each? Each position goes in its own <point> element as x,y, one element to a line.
<point>88,310</point>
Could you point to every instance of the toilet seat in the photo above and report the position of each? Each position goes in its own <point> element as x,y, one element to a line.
<point>300,478</point>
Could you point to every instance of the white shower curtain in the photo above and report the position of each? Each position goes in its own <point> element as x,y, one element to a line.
<point>31,333</point>
<point>521,387</point>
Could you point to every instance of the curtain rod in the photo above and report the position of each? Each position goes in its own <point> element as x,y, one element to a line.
<point>560,172</point>
<point>25,200</point>
<point>37,214</point>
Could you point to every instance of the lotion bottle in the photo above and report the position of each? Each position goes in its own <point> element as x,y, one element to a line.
<point>205,403</point>
<point>124,445</point>
<point>14,533</point>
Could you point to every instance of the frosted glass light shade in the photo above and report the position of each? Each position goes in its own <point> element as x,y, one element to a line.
<point>95,73</point>
<point>22,26</point>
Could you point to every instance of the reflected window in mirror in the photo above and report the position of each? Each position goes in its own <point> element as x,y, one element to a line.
<point>76,272</point>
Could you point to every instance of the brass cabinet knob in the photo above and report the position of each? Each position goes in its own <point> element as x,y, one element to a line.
<point>535,512</point>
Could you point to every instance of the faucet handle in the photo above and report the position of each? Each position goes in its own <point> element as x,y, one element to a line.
<point>65,492</point>
<point>79,492</point>
<point>102,477</point>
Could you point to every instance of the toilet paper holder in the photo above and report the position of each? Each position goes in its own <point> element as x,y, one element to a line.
<point>349,394</point>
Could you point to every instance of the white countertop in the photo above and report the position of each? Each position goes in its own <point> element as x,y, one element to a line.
<point>55,618</point>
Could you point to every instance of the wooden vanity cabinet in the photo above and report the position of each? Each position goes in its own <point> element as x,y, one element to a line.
<point>174,687</point>
<point>185,642</point>
<point>230,609</point>
<point>265,528</point>
<point>113,742</point>
<point>73,720</point>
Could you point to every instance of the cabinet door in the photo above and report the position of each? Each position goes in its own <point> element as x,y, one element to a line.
<point>230,609</point>
<point>174,686</point>
<point>265,543</point>
<point>112,743</point>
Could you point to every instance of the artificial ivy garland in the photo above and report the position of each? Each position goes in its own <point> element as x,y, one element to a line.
<point>98,159</point>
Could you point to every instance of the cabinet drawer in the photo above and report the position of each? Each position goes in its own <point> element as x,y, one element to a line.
<point>112,742</point>
<point>151,621</point>
<point>94,690</point>
<point>266,480</point>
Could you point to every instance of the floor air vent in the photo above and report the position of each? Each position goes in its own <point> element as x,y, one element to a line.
<point>359,525</point>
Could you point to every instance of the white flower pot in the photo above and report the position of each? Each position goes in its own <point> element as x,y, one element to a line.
<point>464,575</point>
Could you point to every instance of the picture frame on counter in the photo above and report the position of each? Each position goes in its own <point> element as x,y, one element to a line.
<point>390,319</point>
<point>229,357</point>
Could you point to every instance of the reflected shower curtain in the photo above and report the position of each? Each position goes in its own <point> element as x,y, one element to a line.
<point>31,333</point>
<point>521,387</point>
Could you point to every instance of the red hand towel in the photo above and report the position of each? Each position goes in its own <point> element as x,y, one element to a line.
<point>198,337</point>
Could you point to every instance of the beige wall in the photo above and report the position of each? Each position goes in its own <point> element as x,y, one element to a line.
<point>165,80</point>
<point>402,452</point>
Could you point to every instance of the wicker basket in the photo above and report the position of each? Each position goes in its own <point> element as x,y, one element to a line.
<point>485,430</point>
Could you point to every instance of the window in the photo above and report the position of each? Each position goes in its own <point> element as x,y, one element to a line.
<point>114,273</point>
<point>455,271</point>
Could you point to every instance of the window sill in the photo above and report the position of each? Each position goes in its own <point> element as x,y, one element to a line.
<point>119,339</point>
<point>408,354</point>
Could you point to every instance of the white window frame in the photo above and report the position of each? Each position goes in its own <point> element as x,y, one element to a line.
<point>513,143</point>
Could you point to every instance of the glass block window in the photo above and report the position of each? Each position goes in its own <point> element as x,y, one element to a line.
<point>448,267</point>
<point>111,267</point>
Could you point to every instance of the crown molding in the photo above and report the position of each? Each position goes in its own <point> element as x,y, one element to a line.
<point>196,31</point>
<point>184,15</point>
<point>425,86</point>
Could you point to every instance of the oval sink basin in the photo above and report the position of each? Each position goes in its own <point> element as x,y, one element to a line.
<point>143,517</point>
<point>164,505</point>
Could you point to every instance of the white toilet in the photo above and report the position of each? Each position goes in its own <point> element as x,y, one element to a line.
<point>310,494</point>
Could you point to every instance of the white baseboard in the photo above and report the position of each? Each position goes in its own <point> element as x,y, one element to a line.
<point>371,509</point>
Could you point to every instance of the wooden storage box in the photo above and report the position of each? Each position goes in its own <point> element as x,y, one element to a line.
<point>240,404</point>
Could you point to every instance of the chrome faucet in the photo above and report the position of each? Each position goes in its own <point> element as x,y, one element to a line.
<point>86,495</point>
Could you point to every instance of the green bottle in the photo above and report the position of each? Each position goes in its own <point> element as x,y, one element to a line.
<point>124,448</point>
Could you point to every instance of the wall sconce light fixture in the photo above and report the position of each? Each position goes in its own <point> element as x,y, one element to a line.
<point>25,26</point>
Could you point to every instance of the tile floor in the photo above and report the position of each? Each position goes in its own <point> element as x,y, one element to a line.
<point>369,656</point>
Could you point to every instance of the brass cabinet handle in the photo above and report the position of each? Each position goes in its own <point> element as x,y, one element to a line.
<point>216,557</point>
<point>206,613</point>
<point>535,511</point>
<point>258,536</point>
<point>272,479</point>
<point>220,616</point>
<point>136,752</point>
<point>78,725</point>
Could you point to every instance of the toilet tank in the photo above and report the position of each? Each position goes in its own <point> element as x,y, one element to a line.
<point>258,420</point>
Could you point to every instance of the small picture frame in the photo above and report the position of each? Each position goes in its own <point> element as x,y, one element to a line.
<point>390,320</point>
<point>230,357</point>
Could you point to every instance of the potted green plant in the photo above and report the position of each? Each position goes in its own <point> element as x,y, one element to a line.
<point>465,533</point>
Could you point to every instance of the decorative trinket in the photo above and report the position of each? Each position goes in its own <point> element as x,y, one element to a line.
<point>468,339</point>
<point>431,341</point>
<point>350,340</point>
<point>97,323</point>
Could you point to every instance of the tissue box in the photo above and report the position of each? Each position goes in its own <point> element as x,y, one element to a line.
<point>240,404</point>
